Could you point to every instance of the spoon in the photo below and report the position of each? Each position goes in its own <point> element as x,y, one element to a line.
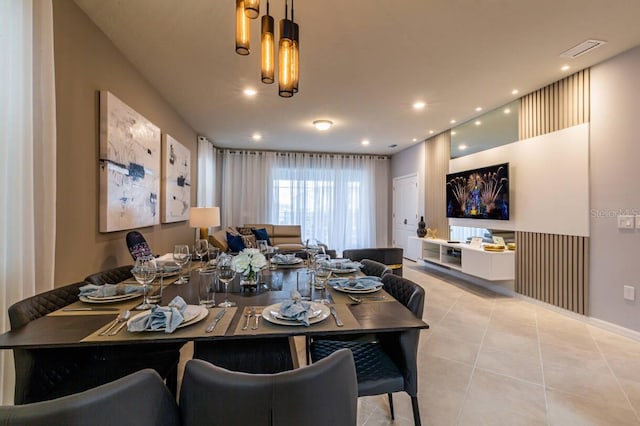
<point>122,319</point>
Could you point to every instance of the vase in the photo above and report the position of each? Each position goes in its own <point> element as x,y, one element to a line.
<point>422,228</point>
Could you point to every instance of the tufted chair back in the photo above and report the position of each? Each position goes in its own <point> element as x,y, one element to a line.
<point>390,256</point>
<point>374,269</point>
<point>110,276</point>
<point>406,292</point>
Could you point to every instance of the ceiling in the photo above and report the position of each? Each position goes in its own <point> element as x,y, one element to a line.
<point>363,63</point>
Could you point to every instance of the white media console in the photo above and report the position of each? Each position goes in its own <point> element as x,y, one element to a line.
<point>489,265</point>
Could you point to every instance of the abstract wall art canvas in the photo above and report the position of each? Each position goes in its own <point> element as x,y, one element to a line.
<point>129,167</point>
<point>176,180</point>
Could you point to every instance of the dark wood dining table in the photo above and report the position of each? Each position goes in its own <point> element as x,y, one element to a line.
<point>378,312</point>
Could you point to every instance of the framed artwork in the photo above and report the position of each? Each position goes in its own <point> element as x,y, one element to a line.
<point>129,167</point>
<point>176,180</point>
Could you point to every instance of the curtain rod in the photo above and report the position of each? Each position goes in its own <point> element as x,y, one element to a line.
<point>310,154</point>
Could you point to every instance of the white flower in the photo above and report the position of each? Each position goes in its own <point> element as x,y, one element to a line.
<point>249,261</point>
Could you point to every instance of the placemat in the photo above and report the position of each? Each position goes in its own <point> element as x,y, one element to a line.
<point>121,306</point>
<point>340,297</point>
<point>195,330</point>
<point>329,324</point>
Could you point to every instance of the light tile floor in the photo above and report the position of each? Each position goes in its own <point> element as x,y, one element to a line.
<point>489,359</point>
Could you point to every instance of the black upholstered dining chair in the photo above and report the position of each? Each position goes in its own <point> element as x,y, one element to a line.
<point>374,269</point>
<point>390,256</point>
<point>137,245</point>
<point>111,276</point>
<point>137,399</point>
<point>48,373</point>
<point>388,364</point>
<point>324,393</point>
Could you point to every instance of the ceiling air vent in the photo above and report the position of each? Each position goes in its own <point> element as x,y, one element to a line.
<point>582,48</point>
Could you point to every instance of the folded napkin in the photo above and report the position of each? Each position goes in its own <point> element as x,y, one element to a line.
<point>284,258</point>
<point>108,290</point>
<point>348,264</point>
<point>295,308</point>
<point>361,283</point>
<point>167,317</point>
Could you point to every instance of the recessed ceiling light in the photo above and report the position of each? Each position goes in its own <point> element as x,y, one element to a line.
<point>430,132</point>
<point>323,125</point>
<point>453,133</point>
<point>364,142</point>
<point>462,147</point>
<point>415,139</point>
<point>250,92</point>
<point>507,111</point>
<point>419,104</point>
<point>478,109</point>
<point>256,136</point>
<point>478,122</point>
<point>452,121</point>
<point>515,91</point>
<point>565,68</point>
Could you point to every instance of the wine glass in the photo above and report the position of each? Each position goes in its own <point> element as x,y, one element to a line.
<point>213,255</point>
<point>201,248</point>
<point>181,257</point>
<point>312,247</point>
<point>144,271</point>
<point>226,275</point>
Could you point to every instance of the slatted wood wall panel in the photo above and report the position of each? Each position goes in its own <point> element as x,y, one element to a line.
<point>554,269</point>
<point>562,104</point>
<point>437,154</point>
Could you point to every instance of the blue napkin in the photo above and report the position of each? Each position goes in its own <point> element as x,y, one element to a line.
<point>361,283</point>
<point>108,290</point>
<point>346,265</point>
<point>284,258</point>
<point>295,308</point>
<point>167,317</point>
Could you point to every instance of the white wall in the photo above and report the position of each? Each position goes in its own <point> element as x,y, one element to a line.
<point>548,182</point>
<point>614,155</point>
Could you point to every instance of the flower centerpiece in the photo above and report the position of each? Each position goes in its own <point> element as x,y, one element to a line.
<point>248,263</point>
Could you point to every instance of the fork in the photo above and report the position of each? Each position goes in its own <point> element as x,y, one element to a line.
<point>248,316</point>
<point>257,317</point>
<point>122,319</point>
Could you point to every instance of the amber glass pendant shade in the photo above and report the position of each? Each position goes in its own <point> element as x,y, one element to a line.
<point>268,59</point>
<point>242,29</point>
<point>252,8</point>
<point>285,59</point>
<point>295,62</point>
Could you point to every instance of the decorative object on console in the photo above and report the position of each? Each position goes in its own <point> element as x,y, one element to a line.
<point>422,228</point>
<point>129,167</point>
<point>479,194</point>
<point>204,218</point>
<point>176,180</point>
<point>432,233</point>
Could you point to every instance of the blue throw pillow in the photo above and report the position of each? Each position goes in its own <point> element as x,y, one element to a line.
<point>235,242</point>
<point>261,234</point>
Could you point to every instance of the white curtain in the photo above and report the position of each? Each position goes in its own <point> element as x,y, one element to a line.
<point>332,196</point>
<point>245,197</point>
<point>27,160</point>
<point>206,173</point>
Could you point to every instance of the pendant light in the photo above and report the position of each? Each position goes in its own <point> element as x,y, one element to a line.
<point>252,8</point>
<point>285,56</point>
<point>295,63</point>
<point>267,48</point>
<point>242,29</point>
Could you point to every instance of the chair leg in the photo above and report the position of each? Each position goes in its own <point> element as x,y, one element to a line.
<point>416,411</point>
<point>391,405</point>
<point>307,344</point>
<point>172,381</point>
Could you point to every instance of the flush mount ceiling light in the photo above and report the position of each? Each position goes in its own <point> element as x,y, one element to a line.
<point>322,125</point>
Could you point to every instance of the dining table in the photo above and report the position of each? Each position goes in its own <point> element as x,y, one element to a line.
<point>82,323</point>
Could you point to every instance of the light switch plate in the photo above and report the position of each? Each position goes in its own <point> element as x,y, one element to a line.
<point>629,293</point>
<point>625,222</point>
<point>637,221</point>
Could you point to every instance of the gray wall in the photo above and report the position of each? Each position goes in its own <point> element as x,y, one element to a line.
<point>408,161</point>
<point>614,156</point>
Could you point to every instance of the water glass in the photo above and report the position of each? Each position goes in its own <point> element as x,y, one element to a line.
<point>206,287</point>
<point>181,257</point>
<point>144,271</point>
<point>322,270</point>
<point>304,278</point>
<point>200,249</point>
<point>213,255</point>
<point>263,246</point>
<point>273,251</point>
<point>226,275</point>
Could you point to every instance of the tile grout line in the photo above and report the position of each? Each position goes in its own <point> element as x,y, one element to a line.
<point>615,376</point>
<point>544,382</point>
<point>475,362</point>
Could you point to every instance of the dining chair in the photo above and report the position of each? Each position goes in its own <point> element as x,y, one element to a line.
<point>324,393</point>
<point>372,268</point>
<point>111,276</point>
<point>48,373</point>
<point>389,363</point>
<point>390,256</point>
<point>139,399</point>
<point>137,245</point>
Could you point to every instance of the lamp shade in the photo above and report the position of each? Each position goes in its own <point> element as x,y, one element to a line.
<point>242,29</point>
<point>285,59</point>
<point>267,49</point>
<point>204,217</point>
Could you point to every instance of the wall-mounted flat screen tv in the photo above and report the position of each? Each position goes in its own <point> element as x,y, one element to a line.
<point>479,193</point>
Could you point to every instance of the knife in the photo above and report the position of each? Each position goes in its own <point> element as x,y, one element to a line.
<point>215,320</point>
<point>90,309</point>
<point>335,315</point>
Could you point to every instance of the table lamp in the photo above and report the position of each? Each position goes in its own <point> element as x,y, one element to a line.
<point>204,218</point>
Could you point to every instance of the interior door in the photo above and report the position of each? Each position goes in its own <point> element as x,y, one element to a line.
<point>405,209</point>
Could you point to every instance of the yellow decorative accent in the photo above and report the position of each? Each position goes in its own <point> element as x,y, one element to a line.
<point>432,233</point>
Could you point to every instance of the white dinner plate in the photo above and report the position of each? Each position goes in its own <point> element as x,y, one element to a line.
<point>109,299</point>
<point>319,313</point>
<point>295,261</point>
<point>192,314</point>
<point>344,270</point>
<point>355,290</point>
